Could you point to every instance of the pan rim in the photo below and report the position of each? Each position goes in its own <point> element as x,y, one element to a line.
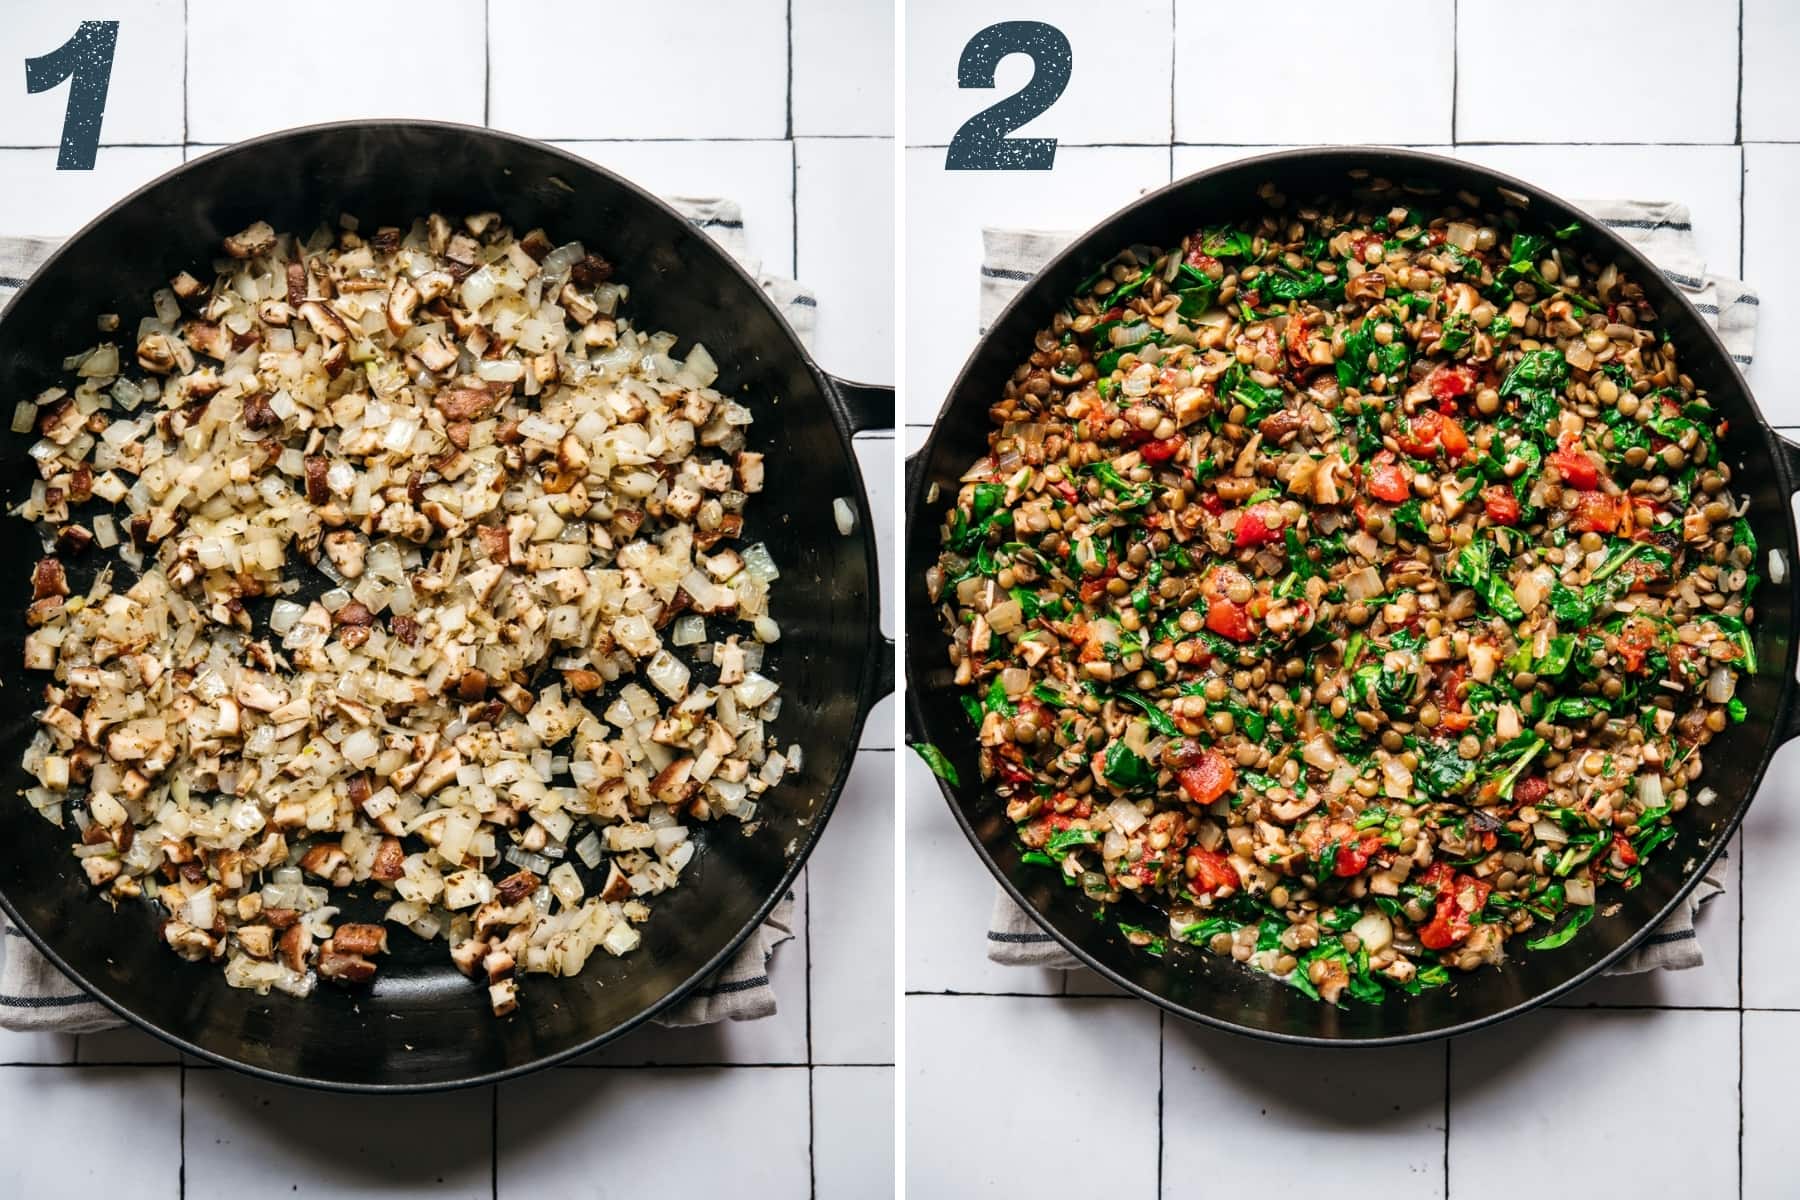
<point>1369,155</point>
<point>864,691</point>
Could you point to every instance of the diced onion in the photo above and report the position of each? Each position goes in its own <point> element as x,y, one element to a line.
<point>1125,817</point>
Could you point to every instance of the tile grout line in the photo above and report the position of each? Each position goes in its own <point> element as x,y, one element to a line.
<point>1740,74</point>
<point>1455,82</point>
<point>1072,144</point>
<point>184,79</point>
<point>1162,1038</point>
<point>1174,29</point>
<point>1743,842</point>
<point>1448,1042</point>
<point>181,1129</point>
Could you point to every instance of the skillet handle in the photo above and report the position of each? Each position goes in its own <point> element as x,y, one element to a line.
<point>869,406</point>
<point>1789,468</point>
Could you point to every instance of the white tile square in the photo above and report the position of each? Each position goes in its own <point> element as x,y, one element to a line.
<point>1676,80</point>
<point>1326,88</point>
<point>127,1044</point>
<point>1705,178</point>
<point>949,897</point>
<point>36,1047</point>
<point>1662,1084</point>
<point>853,1132</point>
<point>400,66</point>
<point>114,1126</point>
<point>36,198</point>
<point>244,1137</point>
<point>1713,984</point>
<point>1771,45</point>
<point>143,92</point>
<point>1194,158</point>
<point>702,1131</point>
<point>759,176</point>
<point>844,195</point>
<point>945,213</point>
<point>1771,1060</point>
<point>777,1039</point>
<point>878,730</point>
<point>680,69</point>
<point>1771,177</point>
<point>1020,1096</point>
<point>1376,1114</point>
<point>1771,887</point>
<point>1109,44</point>
<point>843,67</point>
<point>851,901</point>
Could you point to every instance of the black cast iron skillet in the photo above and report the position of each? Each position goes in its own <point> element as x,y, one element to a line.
<point>1200,986</point>
<point>422,1025</point>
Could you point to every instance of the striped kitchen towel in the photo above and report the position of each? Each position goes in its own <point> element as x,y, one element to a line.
<point>35,996</point>
<point>1663,230</point>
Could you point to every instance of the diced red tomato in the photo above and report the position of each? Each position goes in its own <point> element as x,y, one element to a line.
<point>1633,643</point>
<point>1092,590</point>
<point>1501,505</point>
<point>1209,778</point>
<point>1449,384</point>
<point>1431,429</point>
<point>1211,872</point>
<point>1576,468</point>
<point>1452,714</point>
<point>1258,525</point>
<point>1352,859</point>
<point>1199,259</point>
<point>1453,439</point>
<point>1229,620</point>
<point>1596,512</point>
<point>1389,478</point>
<point>1442,932</point>
<point>1530,789</point>
<point>1438,876</point>
<point>1451,921</point>
<point>1212,502</point>
<point>1164,450</point>
<point>1008,762</point>
<point>1296,342</point>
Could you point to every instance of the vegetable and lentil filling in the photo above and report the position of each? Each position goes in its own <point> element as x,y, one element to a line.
<point>1359,583</point>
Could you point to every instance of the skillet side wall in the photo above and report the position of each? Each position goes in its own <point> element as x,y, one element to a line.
<point>1191,982</point>
<point>423,1024</point>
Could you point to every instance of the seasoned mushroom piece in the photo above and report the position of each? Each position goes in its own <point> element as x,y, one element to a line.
<point>258,238</point>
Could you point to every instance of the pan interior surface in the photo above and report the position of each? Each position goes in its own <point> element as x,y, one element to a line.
<point>422,1024</point>
<point>1191,982</point>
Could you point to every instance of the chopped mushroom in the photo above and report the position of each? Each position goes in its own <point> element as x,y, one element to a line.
<point>515,530</point>
<point>259,238</point>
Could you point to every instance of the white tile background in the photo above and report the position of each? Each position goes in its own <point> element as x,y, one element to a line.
<point>1587,98</point>
<point>788,110</point>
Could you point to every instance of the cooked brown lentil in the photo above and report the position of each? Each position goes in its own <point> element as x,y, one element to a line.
<point>1369,581</point>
